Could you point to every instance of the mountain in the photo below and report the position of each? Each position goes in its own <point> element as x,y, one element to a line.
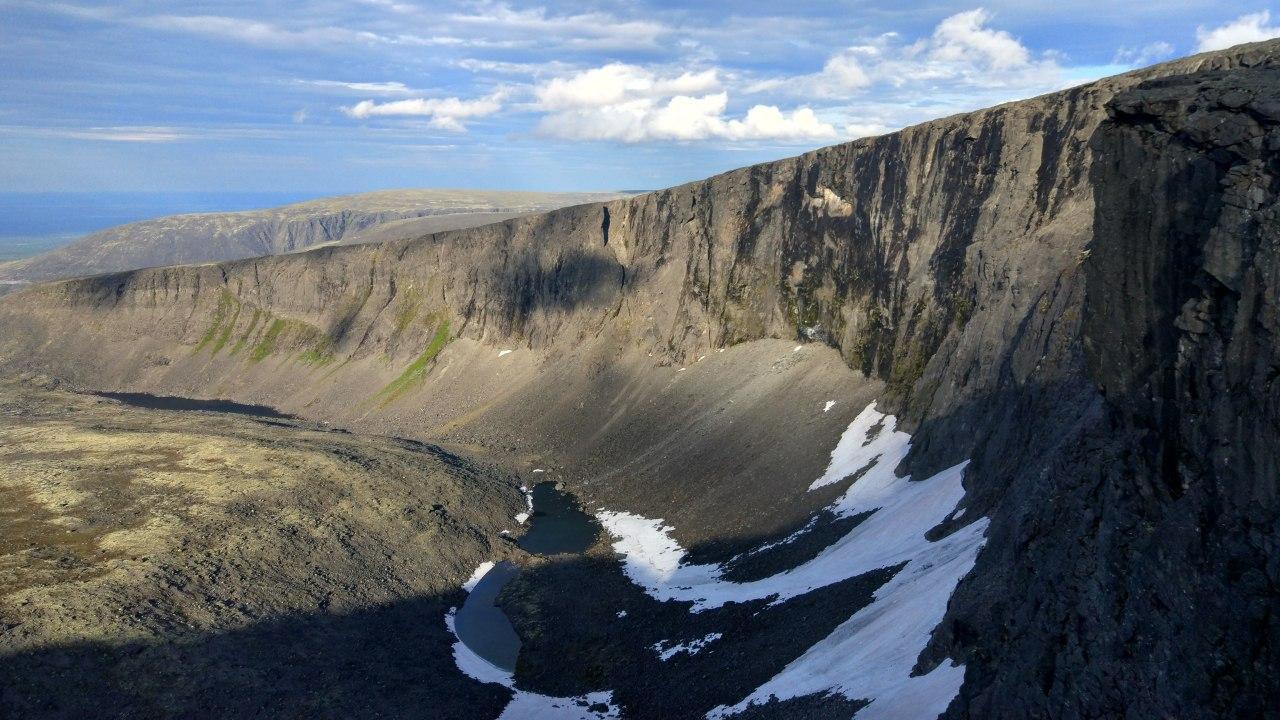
<point>977,419</point>
<point>214,237</point>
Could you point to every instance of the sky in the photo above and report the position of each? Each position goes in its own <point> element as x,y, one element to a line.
<point>334,96</point>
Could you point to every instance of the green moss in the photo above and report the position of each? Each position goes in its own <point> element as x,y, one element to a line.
<point>226,332</point>
<point>267,344</point>
<point>407,309</point>
<point>417,369</point>
<point>316,357</point>
<point>225,303</point>
<point>248,333</point>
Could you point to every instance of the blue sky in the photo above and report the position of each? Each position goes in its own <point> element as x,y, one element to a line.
<point>330,96</point>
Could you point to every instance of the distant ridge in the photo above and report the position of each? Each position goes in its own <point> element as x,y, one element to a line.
<point>220,236</point>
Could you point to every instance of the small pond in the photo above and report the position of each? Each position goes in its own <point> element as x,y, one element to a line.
<point>482,626</point>
<point>558,525</point>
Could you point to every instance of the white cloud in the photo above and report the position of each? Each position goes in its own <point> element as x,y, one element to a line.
<point>364,88</point>
<point>262,33</point>
<point>631,104</point>
<point>1244,29</point>
<point>617,82</point>
<point>598,30</point>
<point>961,55</point>
<point>964,38</point>
<point>513,68</point>
<point>254,32</point>
<point>131,134</point>
<point>1145,55</point>
<point>442,113</point>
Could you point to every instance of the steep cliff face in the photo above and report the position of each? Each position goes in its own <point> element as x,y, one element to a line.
<point>1140,516</point>
<point>1075,292</point>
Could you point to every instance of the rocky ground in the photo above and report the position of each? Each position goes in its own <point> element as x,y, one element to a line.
<point>181,564</point>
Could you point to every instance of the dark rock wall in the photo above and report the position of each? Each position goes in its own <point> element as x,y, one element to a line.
<point>1143,542</point>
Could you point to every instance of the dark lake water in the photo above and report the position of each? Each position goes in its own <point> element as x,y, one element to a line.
<point>166,402</point>
<point>558,524</point>
<point>482,626</point>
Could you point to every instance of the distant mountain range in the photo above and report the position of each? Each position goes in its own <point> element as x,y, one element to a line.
<point>346,219</point>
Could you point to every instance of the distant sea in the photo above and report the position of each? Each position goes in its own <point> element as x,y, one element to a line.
<point>31,223</point>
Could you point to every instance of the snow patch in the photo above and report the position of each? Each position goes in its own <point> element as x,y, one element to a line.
<point>871,655</point>
<point>531,706</point>
<point>692,647</point>
<point>504,352</point>
<point>523,517</point>
<point>478,575</point>
<point>797,348</point>
<point>622,613</point>
<point>830,404</point>
<point>871,437</point>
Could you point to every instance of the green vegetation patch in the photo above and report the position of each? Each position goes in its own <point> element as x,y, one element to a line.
<point>407,309</point>
<point>316,357</point>
<point>417,369</point>
<point>226,303</point>
<point>267,344</point>
<point>225,335</point>
<point>248,333</point>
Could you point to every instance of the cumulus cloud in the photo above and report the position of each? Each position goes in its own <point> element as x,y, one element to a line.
<point>1244,29</point>
<point>617,82</point>
<point>442,113</point>
<point>628,103</point>
<point>962,54</point>
<point>890,81</point>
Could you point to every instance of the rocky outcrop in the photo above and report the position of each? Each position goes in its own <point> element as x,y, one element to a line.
<point>1075,292</point>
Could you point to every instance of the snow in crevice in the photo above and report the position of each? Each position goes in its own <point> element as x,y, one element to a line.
<point>523,705</point>
<point>692,647</point>
<point>523,517</point>
<point>830,404</point>
<point>870,656</point>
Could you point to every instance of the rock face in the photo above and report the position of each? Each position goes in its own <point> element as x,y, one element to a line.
<point>1075,292</point>
<point>213,237</point>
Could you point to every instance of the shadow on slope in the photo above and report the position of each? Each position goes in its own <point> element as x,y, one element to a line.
<point>396,660</point>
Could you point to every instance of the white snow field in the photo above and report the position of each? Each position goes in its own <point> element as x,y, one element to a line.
<point>870,655</point>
